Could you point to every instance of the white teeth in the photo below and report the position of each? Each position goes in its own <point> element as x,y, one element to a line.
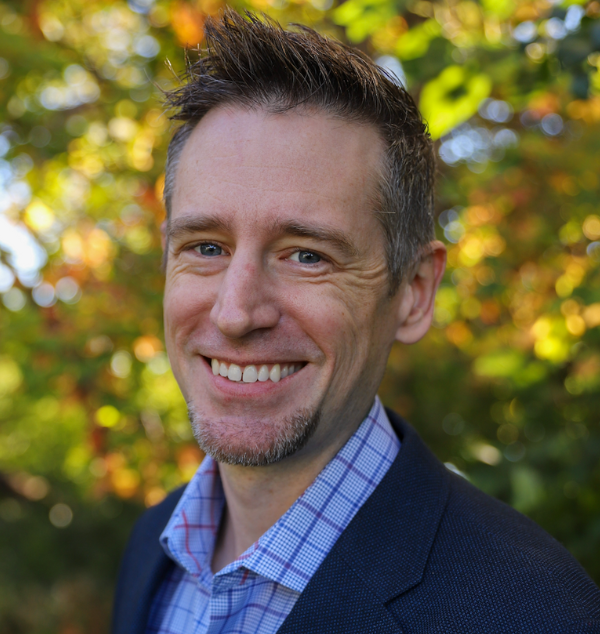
<point>275,373</point>
<point>235,372</point>
<point>250,374</point>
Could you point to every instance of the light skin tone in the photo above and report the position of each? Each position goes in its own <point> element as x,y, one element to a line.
<point>274,255</point>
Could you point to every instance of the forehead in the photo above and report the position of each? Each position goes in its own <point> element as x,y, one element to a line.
<point>298,163</point>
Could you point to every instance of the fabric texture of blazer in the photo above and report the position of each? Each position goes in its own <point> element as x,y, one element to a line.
<point>426,553</point>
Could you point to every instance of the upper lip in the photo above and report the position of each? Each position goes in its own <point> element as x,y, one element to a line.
<point>243,363</point>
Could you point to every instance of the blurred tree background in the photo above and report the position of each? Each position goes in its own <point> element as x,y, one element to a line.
<point>506,386</point>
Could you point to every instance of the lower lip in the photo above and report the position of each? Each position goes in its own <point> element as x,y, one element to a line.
<point>241,389</point>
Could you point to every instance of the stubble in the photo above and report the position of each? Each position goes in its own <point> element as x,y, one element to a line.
<point>253,443</point>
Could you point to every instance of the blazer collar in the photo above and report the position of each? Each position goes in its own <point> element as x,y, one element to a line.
<point>384,550</point>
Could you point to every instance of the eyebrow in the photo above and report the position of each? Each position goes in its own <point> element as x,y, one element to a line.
<point>198,224</point>
<point>323,234</point>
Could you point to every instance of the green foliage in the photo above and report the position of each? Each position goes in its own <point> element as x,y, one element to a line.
<point>92,426</point>
<point>364,17</point>
<point>452,98</point>
<point>415,43</point>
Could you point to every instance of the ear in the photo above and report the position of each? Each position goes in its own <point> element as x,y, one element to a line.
<point>415,311</point>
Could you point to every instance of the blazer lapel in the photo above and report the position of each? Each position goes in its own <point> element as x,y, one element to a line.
<point>384,550</point>
<point>337,600</point>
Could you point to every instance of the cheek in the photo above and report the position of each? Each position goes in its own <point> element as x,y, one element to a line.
<point>357,332</point>
<point>185,306</point>
<point>330,322</point>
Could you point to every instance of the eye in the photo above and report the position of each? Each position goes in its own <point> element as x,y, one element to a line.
<point>306,257</point>
<point>209,249</point>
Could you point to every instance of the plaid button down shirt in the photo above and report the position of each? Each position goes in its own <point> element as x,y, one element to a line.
<point>257,591</point>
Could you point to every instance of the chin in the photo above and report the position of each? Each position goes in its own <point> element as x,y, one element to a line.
<point>250,442</point>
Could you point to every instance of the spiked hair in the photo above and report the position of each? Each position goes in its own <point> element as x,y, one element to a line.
<point>255,63</point>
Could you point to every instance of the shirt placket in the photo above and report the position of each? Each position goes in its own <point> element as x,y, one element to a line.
<point>229,596</point>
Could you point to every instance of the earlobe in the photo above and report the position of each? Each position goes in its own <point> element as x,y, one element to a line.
<point>418,294</point>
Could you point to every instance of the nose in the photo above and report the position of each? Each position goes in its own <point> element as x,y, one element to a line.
<point>245,299</point>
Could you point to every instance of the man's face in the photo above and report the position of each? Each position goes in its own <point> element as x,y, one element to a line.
<point>276,258</point>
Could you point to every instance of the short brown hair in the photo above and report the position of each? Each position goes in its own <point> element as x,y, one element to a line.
<point>256,63</point>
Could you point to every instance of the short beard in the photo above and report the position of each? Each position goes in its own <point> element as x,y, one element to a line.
<point>277,439</point>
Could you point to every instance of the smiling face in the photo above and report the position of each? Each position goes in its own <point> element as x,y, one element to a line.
<point>278,319</point>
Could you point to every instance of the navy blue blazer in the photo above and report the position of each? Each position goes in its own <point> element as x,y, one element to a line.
<point>427,552</point>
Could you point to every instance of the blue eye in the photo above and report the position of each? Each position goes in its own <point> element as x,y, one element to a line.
<point>209,249</point>
<point>305,257</point>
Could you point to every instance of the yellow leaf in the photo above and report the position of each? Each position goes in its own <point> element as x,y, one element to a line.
<point>10,376</point>
<point>107,416</point>
<point>39,216</point>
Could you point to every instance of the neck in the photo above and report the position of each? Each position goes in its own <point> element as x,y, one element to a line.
<point>256,497</point>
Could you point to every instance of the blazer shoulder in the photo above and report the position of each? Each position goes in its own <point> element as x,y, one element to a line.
<point>144,539</point>
<point>512,545</point>
<point>485,559</point>
<point>143,567</point>
<point>156,517</point>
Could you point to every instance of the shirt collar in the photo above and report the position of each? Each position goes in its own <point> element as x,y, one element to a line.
<point>290,552</point>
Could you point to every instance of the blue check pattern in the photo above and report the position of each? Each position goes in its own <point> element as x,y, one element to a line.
<point>257,591</point>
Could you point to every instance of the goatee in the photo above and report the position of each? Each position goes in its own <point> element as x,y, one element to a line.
<point>255,443</point>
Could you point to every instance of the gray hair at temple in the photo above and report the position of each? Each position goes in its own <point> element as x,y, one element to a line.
<point>254,62</point>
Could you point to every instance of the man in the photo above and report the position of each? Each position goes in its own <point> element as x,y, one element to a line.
<point>299,246</point>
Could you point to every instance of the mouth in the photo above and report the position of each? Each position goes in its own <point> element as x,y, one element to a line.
<point>254,372</point>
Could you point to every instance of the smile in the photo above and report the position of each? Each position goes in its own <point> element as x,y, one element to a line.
<point>252,373</point>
